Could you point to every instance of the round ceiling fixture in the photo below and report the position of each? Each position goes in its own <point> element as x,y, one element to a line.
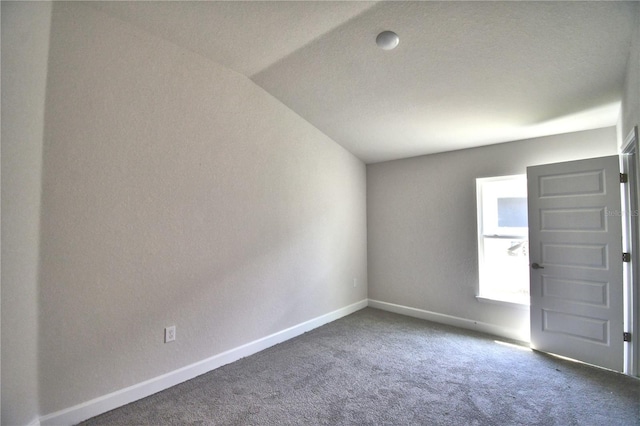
<point>387,40</point>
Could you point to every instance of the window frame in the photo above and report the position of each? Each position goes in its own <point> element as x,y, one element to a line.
<point>482,291</point>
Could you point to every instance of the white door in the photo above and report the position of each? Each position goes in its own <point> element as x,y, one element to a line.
<point>575,250</point>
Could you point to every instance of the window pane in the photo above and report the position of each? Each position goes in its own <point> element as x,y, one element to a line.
<point>512,212</point>
<point>503,238</point>
<point>506,267</point>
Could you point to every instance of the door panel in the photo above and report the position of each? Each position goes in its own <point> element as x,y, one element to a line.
<point>575,235</point>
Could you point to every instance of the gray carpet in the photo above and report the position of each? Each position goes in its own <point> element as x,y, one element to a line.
<point>379,368</point>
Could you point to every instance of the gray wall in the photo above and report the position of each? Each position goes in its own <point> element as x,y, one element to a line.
<point>25,42</point>
<point>421,215</point>
<point>176,191</point>
<point>630,115</point>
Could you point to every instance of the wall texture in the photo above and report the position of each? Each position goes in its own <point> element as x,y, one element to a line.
<point>421,218</point>
<point>630,115</point>
<point>25,45</point>
<point>177,192</point>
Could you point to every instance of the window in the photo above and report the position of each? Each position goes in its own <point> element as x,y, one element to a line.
<point>503,246</point>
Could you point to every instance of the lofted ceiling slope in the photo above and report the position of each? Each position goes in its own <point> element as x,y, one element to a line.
<point>465,74</point>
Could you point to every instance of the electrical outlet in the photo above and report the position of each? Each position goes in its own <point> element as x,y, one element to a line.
<point>355,282</point>
<point>170,334</point>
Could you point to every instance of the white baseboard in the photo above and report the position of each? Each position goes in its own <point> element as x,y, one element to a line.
<point>133,393</point>
<point>34,422</point>
<point>483,327</point>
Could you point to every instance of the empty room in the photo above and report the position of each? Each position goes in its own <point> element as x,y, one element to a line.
<point>318,212</point>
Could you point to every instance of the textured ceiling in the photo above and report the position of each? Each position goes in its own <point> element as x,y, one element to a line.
<point>465,73</point>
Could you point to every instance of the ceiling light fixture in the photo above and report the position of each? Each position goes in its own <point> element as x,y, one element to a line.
<point>387,40</point>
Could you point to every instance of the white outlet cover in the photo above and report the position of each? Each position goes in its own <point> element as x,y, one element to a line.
<point>170,334</point>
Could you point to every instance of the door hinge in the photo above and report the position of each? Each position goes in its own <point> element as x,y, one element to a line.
<point>626,257</point>
<point>626,336</point>
<point>624,178</point>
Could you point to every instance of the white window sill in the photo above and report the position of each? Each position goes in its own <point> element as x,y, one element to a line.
<point>504,302</point>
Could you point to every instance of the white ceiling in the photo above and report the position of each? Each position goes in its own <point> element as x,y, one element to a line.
<point>465,73</point>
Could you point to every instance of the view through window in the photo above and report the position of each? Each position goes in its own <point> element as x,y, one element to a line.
<point>503,245</point>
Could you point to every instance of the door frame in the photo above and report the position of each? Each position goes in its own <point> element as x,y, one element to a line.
<point>630,164</point>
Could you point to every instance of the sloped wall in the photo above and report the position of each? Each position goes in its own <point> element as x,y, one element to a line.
<point>25,48</point>
<point>177,192</point>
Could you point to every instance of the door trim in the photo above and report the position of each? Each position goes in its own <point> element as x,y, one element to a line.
<point>630,164</point>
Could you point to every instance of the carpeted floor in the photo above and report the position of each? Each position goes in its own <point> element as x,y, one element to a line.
<point>379,368</point>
